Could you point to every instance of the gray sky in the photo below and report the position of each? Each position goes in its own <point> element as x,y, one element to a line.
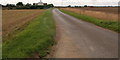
<point>65,2</point>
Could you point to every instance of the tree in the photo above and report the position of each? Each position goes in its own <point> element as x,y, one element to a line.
<point>76,6</point>
<point>19,4</point>
<point>85,6</point>
<point>10,6</point>
<point>69,6</point>
<point>50,5</point>
<point>28,4</point>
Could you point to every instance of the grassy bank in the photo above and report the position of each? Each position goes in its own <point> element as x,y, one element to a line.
<point>102,23</point>
<point>35,39</point>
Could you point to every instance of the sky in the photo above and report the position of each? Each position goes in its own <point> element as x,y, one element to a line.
<point>66,2</point>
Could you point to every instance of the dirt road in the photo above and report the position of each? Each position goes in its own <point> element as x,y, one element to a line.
<point>79,39</point>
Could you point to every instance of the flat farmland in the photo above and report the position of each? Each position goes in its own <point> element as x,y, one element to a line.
<point>110,14</point>
<point>14,20</point>
<point>34,41</point>
<point>107,10</point>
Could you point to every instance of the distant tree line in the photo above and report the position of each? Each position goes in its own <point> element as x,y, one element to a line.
<point>90,6</point>
<point>20,5</point>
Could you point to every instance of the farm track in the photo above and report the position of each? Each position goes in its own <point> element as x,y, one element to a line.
<point>79,39</point>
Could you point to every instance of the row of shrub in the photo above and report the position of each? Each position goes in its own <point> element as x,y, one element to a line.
<point>36,7</point>
<point>20,5</point>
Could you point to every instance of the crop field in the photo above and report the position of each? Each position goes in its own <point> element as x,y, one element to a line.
<point>107,10</point>
<point>14,20</point>
<point>110,14</point>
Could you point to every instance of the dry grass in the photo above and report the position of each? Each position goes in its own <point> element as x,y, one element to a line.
<point>15,19</point>
<point>100,13</point>
<point>103,9</point>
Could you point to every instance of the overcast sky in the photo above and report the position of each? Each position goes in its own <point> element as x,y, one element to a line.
<point>65,2</point>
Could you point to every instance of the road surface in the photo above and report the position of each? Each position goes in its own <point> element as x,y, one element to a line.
<point>79,39</point>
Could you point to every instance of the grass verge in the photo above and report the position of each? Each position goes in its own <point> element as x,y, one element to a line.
<point>102,23</point>
<point>37,37</point>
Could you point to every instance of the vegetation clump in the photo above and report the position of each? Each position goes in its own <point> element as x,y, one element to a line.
<point>20,5</point>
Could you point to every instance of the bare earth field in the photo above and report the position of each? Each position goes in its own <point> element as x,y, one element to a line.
<point>100,13</point>
<point>15,19</point>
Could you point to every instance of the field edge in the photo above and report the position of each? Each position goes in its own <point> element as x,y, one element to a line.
<point>35,39</point>
<point>111,25</point>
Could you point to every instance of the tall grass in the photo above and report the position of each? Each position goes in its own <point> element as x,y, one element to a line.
<point>112,25</point>
<point>37,37</point>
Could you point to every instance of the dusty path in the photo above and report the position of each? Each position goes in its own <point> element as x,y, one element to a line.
<point>79,39</point>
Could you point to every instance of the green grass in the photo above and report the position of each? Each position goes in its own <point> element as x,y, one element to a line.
<point>112,25</point>
<point>37,37</point>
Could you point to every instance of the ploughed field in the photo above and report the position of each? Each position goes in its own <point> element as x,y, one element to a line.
<point>110,14</point>
<point>15,20</point>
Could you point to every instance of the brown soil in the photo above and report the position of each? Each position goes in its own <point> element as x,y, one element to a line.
<point>15,19</point>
